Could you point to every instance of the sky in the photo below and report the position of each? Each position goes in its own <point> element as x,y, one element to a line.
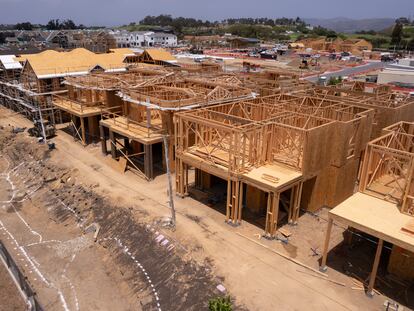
<point>118,12</point>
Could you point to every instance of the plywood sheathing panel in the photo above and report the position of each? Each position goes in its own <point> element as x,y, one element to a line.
<point>401,263</point>
<point>255,199</point>
<point>331,186</point>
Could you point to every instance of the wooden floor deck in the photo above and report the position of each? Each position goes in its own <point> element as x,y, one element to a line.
<point>76,109</point>
<point>133,131</point>
<point>376,217</point>
<point>272,177</point>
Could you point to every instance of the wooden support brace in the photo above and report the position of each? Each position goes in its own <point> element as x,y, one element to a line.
<point>240,208</point>
<point>228,204</point>
<point>83,131</point>
<point>148,167</point>
<point>370,291</point>
<point>323,266</point>
<point>113,144</point>
<point>103,140</point>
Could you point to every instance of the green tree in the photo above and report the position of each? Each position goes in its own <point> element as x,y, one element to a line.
<point>335,80</point>
<point>321,31</point>
<point>53,24</point>
<point>396,34</point>
<point>24,26</point>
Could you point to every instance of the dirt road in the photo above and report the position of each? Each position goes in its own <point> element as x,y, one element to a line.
<point>48,219</point>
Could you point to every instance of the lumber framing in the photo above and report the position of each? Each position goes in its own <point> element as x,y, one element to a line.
<point>387,171</point>
<point>389,106</point>
<point>383,206</point>
<point>16,96</point>
<point>267,143</point>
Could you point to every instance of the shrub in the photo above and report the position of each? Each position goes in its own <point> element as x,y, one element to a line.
<point>220,304</point>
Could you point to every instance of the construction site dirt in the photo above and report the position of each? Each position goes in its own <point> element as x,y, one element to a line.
<point>10,299</point>
<point>89,237</point>
<point>45,217</point>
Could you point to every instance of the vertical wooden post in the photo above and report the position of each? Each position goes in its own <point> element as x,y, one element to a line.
<point>151,162</point>
<point>126,145</point>
<point>179,187</point>
<point>370,291</point>
<point>146,161</point>
<point>113,144</point>
<point>148,167</point>
<point>326,245</point>
<point>103,140</point>
<point>240,208</point>
<point>272,214</point>
<point>235,201</point>
<point>297,202</point>
<point>73,119</point>
<point>83,130</point>
<point>269,203</point>
<point>291,205</point>
<point>275,208</point>
<point>185,179</point>
<point>365,175</point>
<point>229,195</point>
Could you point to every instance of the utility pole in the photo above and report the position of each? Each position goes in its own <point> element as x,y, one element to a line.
<point>170,190</point>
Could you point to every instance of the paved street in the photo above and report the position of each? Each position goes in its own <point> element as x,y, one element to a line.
<point>349,71</point>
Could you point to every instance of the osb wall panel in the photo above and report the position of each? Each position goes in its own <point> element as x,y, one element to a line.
<point>341,182</point>
<point>134,112</point>
<point>330,187</point>
<point>112,100</point>
<point>405,113</point>
<point>343,135</point>
<point>318,149</point>
<point>386,116</point>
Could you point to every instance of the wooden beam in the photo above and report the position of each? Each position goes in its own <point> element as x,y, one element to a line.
<point>83,130</point>
<point>103,140</point>
<point>370,291</point>
<point>323,266</point>
<point>148,162</point>
<point>113,144</point>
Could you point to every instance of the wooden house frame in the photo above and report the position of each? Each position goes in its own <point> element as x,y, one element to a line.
<point>384,205</point>
<point>231,140</point>
<point>389,107</point>
<point>87,96</point>
<point>14,97</point>
<point>146,113</point>
<point>157,57</point>
<point>252,144</point>
<point>388,168</point>
<point>353,122</point>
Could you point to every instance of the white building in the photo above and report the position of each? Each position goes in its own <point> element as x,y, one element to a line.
<point>137,39</point>
<point>400,73</point>
<point>408,62</point>
<point>402,77</point>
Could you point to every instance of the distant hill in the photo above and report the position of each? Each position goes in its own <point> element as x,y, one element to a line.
<point>349,25</point>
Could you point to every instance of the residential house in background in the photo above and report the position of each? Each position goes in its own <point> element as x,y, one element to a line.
<point>353,46</point>
<point>99,41</point>
<point>137,39</point>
